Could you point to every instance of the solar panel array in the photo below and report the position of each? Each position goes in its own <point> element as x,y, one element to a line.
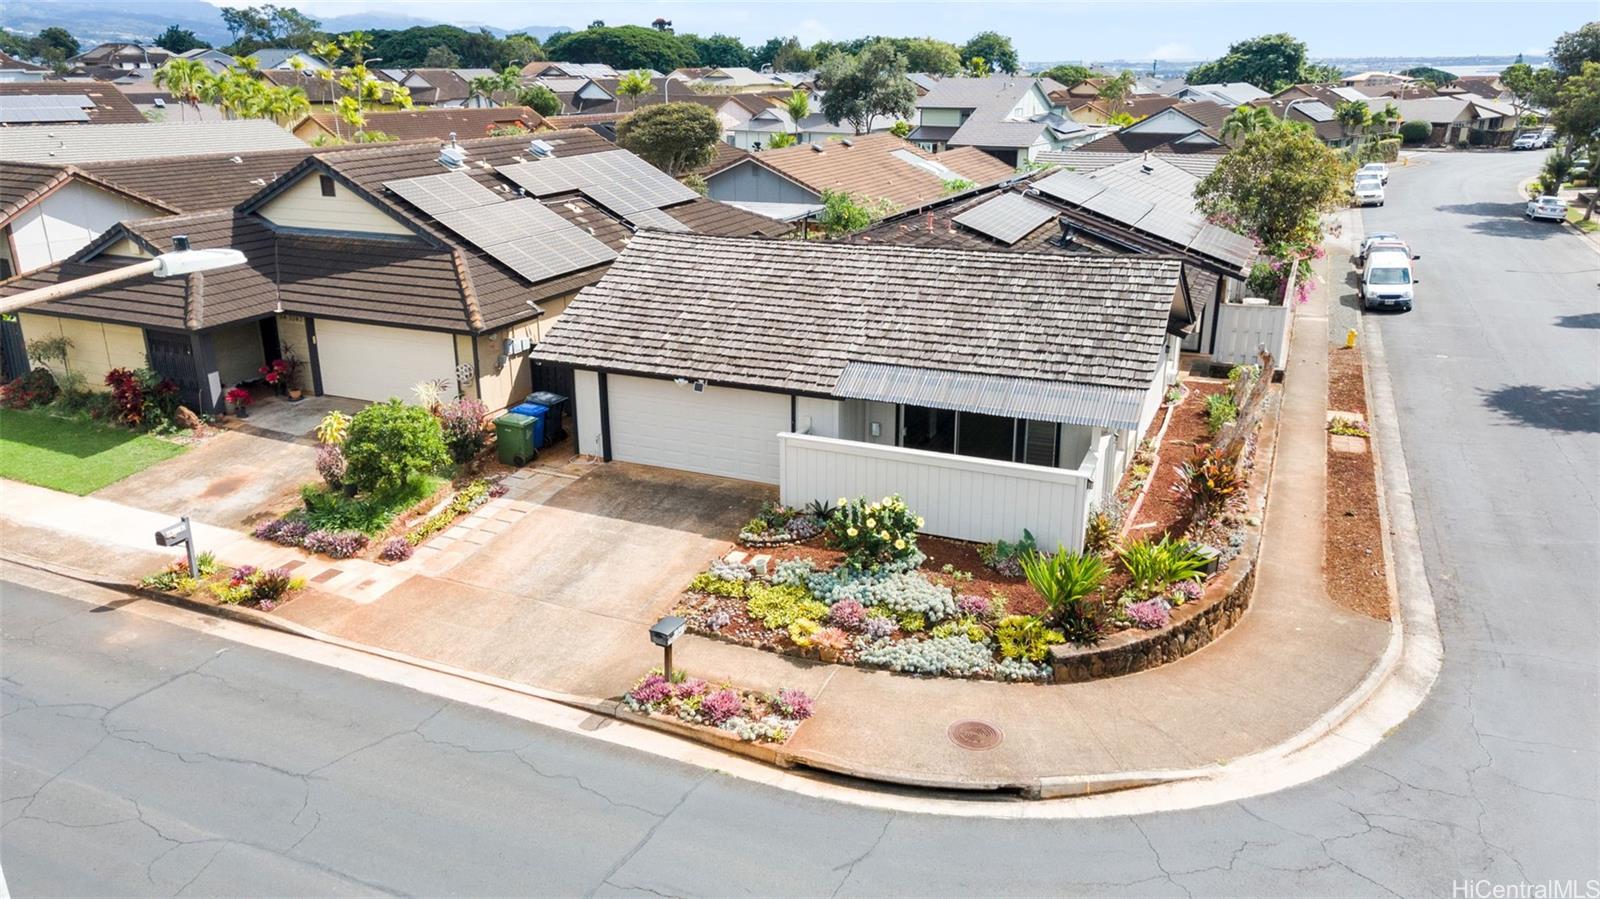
<point>1007,218</point>
<point>37,108</point>
<point>523,234</point>
<point>1188,231</point>
<point>657,219</point>
<point>616,179</point>
<point>1316,111</point>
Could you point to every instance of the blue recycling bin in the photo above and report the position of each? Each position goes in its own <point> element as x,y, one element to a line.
<point>539,414</point>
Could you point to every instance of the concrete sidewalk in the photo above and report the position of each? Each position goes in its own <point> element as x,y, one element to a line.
<point>1291,660</point>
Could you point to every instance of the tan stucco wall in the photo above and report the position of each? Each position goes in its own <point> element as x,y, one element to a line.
<point>96,348</point>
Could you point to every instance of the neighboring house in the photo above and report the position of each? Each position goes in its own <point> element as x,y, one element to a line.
<point>1139,205</point>
<point>1375,79</point>
<point>1231,94</point>
<point>1190,127</point>
<point>319,91</point>
<point>438,123</point>
<point>215,61</point>
<point>286,58</point>
<point>95,143</point>
<point>1100,112</point>
<point>118,55</point>
<point>581,95</point>
<point>1160,86</point>
<point>1009,117</point>
<point>872,167</point>
<point>50,211</point>
<point>750,121</point>
<point>1196,164</point>
<point>55,103</point>
<point>1487,86</point>
<point>877,370</point>
<point>1313,105</point>
<point>573,70</point>
<point>437,87</point>
<point>1459,119</point>
<point>14,69</point>
<point>157,104</point>
<point>729,78</point>
<point>379,266</point>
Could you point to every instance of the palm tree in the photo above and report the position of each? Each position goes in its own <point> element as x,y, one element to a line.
<point>185,79</point>
<point>633,85</point>
<point>1247,119</point>
<point>356,43</point>
<point>483,87</point>
<point>1115,91</point>
<point>285,104</point>
<point>1353,116</point>
<point>1384,120</point>
<point>247,64</point>
<point>510,80</point>
<point>799,106</point>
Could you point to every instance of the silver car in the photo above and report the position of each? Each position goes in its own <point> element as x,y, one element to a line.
<point>1549,208</point>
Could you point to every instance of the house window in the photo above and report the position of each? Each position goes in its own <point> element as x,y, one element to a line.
<point>986,436</point>
<point>327,186</point>
<point>1039,443</point>
<point>933,430</point>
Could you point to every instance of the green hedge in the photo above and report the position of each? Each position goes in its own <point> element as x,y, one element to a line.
<point>1415,132</point>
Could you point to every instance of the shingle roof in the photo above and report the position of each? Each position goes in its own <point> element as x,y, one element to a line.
<point>22,182</point>
<point>199,183</point>
<point>110,107</point>
<point>94,143</point>
<point>675,305</point>
<point>438,122</point>
<point>1126,141</point>
<point>443,86</point>
<point>1198,164</point>
<point>870,167</point>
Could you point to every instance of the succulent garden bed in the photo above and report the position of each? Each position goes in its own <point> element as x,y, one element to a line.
<point>245,585</point>
<point>745,715</point>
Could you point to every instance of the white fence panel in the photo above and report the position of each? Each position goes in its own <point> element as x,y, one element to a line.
<point>957,496</point>
<point>1242,331</point>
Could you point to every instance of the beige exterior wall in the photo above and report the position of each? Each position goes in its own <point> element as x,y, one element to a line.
<point>96,348</point>
<point>302,205</point>
<point>126,247</point>
<point>239,353</point>
<point>292,341</point>
<point>940,117</point>
<point>63,222</point>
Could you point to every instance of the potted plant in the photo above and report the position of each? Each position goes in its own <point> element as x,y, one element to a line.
<point>280,374</point>
<point>239,399</point>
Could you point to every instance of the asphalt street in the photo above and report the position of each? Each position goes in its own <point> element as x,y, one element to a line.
<point>141,758</point>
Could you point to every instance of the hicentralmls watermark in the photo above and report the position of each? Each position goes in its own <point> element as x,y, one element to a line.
<point>1544,889</point>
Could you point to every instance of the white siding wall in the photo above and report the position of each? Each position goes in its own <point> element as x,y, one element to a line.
<point>62,223</point>
<point>586,405</point>
<point>1243,330</point>
<point>822,418</point>
<point>957,496</point>
<point>302,205</point>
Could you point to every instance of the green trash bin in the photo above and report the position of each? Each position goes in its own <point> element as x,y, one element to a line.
<point>513,438</point>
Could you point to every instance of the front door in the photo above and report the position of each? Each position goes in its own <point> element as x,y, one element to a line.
<point>172,357</point>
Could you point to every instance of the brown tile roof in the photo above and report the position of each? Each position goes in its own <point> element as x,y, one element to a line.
<point>23,182</point>
<point>437,122</point>
<point>869,169</point>
<point>198,183</point>
<point>581,120</point>
<point>1206,112</point>
<point>317,90</point>
<point>7,61</point>
<point>1137,142</point>
<point>111,107</point>
<point>444,86</point>
<point>800,311</point>
<point>727,155</point>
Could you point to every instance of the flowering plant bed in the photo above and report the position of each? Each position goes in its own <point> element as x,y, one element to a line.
<point>746,715</point>
<point>778,525</point>
<point>245,585</point>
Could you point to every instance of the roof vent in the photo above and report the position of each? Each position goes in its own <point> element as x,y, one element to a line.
<point>816,148</point>
<point>848,142</point>
<point>160,103</point>
<point>541,148</point>
<point>236,160</point>
<point>1069,232</point>
<point>452,156</point>
<point>1147,168</point>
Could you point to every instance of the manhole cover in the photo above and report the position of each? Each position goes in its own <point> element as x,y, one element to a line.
<point>974,735</point>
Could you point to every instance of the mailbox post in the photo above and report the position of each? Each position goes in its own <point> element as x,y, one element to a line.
<point>662,634</point>
<point>174,534</point>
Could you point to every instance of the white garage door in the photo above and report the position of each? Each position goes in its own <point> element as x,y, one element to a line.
<point>721,431</point>
<point>368,362</point>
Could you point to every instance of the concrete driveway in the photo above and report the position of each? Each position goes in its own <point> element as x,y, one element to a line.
<point>248,473</point>
<point>563,594</point>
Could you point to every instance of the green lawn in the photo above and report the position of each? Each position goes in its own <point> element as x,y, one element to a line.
<point>73,456</point>
<point>1575,216</point>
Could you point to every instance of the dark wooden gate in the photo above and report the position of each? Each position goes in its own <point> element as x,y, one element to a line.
<point>172,357</point>
<point>13,351</point>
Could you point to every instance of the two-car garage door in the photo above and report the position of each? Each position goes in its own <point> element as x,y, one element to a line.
<point>720,430</point>
<point>368,362</point>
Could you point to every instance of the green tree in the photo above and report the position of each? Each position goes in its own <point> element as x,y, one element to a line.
<point>900,129</point>
<point>1577,115</point>
<point>798,106</point>
<point>1271,62</point>
<point>390,444</point>
<point>871,83</point>
<point>673,137</point>
<point>1353,117</point>
<point>933,56</point>
<point>634,85</point>
<point>1573,49</point>
<point>1069,75</point>
<point>1430,75</point>
<point>483,87</point>
<point>180,40</point>
<point>1314,73</point>
<point>540,99</point>
<point>994,48</point>
<point>1529,87</point>
<point>1275,186</point>
<point>1114,92</point>
<point>845,213</point>
<point>978,67</point>
<point>1247,120</point>
<point>185,79</point>
<point>623,47</point>
<point>54,42</point>
<point>780,140</point>
<point>1415,132</point>
<point>519,50</point>
<point>717,50</point>
<point>441,57</point>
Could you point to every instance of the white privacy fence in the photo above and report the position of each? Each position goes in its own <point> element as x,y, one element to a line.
<point>957,496</point>
<point>1243,331</point>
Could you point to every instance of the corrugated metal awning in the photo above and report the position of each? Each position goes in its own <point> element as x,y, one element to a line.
<point>1029,398</point>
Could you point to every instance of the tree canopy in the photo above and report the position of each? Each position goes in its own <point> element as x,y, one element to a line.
<point>1529,86</point>
<point>1069,75</point>
<point>623,47</point>
<point>1271,62</point>
<point>717,50</point>
<point>180,40</point>
<point>996,50</point>
<point>1573,49</point>
<point>870,83</point>
<point>1431,75</point>
<point>540,99</point>
<point>1275,185</point>
<point>673,137</point>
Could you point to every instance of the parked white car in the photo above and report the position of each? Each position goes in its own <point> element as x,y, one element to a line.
<point>1369,191</point>
<point>1374,168</point>
<point>1532,140</point>
<point>1387,281</point>
<point>1551,208</point>
<point>1373,238</point>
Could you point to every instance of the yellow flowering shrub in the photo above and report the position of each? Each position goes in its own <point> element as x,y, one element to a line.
<point>872,533</point>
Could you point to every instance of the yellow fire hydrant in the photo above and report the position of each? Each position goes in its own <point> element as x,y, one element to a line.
<point>1350,339</point>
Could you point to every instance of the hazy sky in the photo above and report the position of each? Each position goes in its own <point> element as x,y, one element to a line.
<point>1175,29</point>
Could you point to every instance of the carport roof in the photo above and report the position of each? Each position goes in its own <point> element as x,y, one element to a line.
<point>792,315</point>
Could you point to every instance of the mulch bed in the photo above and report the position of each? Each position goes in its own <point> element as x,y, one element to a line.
<point>1353,566</point>
<point>1163,513</point>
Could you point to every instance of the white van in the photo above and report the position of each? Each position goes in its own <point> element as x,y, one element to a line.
<point>1387,281</point>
